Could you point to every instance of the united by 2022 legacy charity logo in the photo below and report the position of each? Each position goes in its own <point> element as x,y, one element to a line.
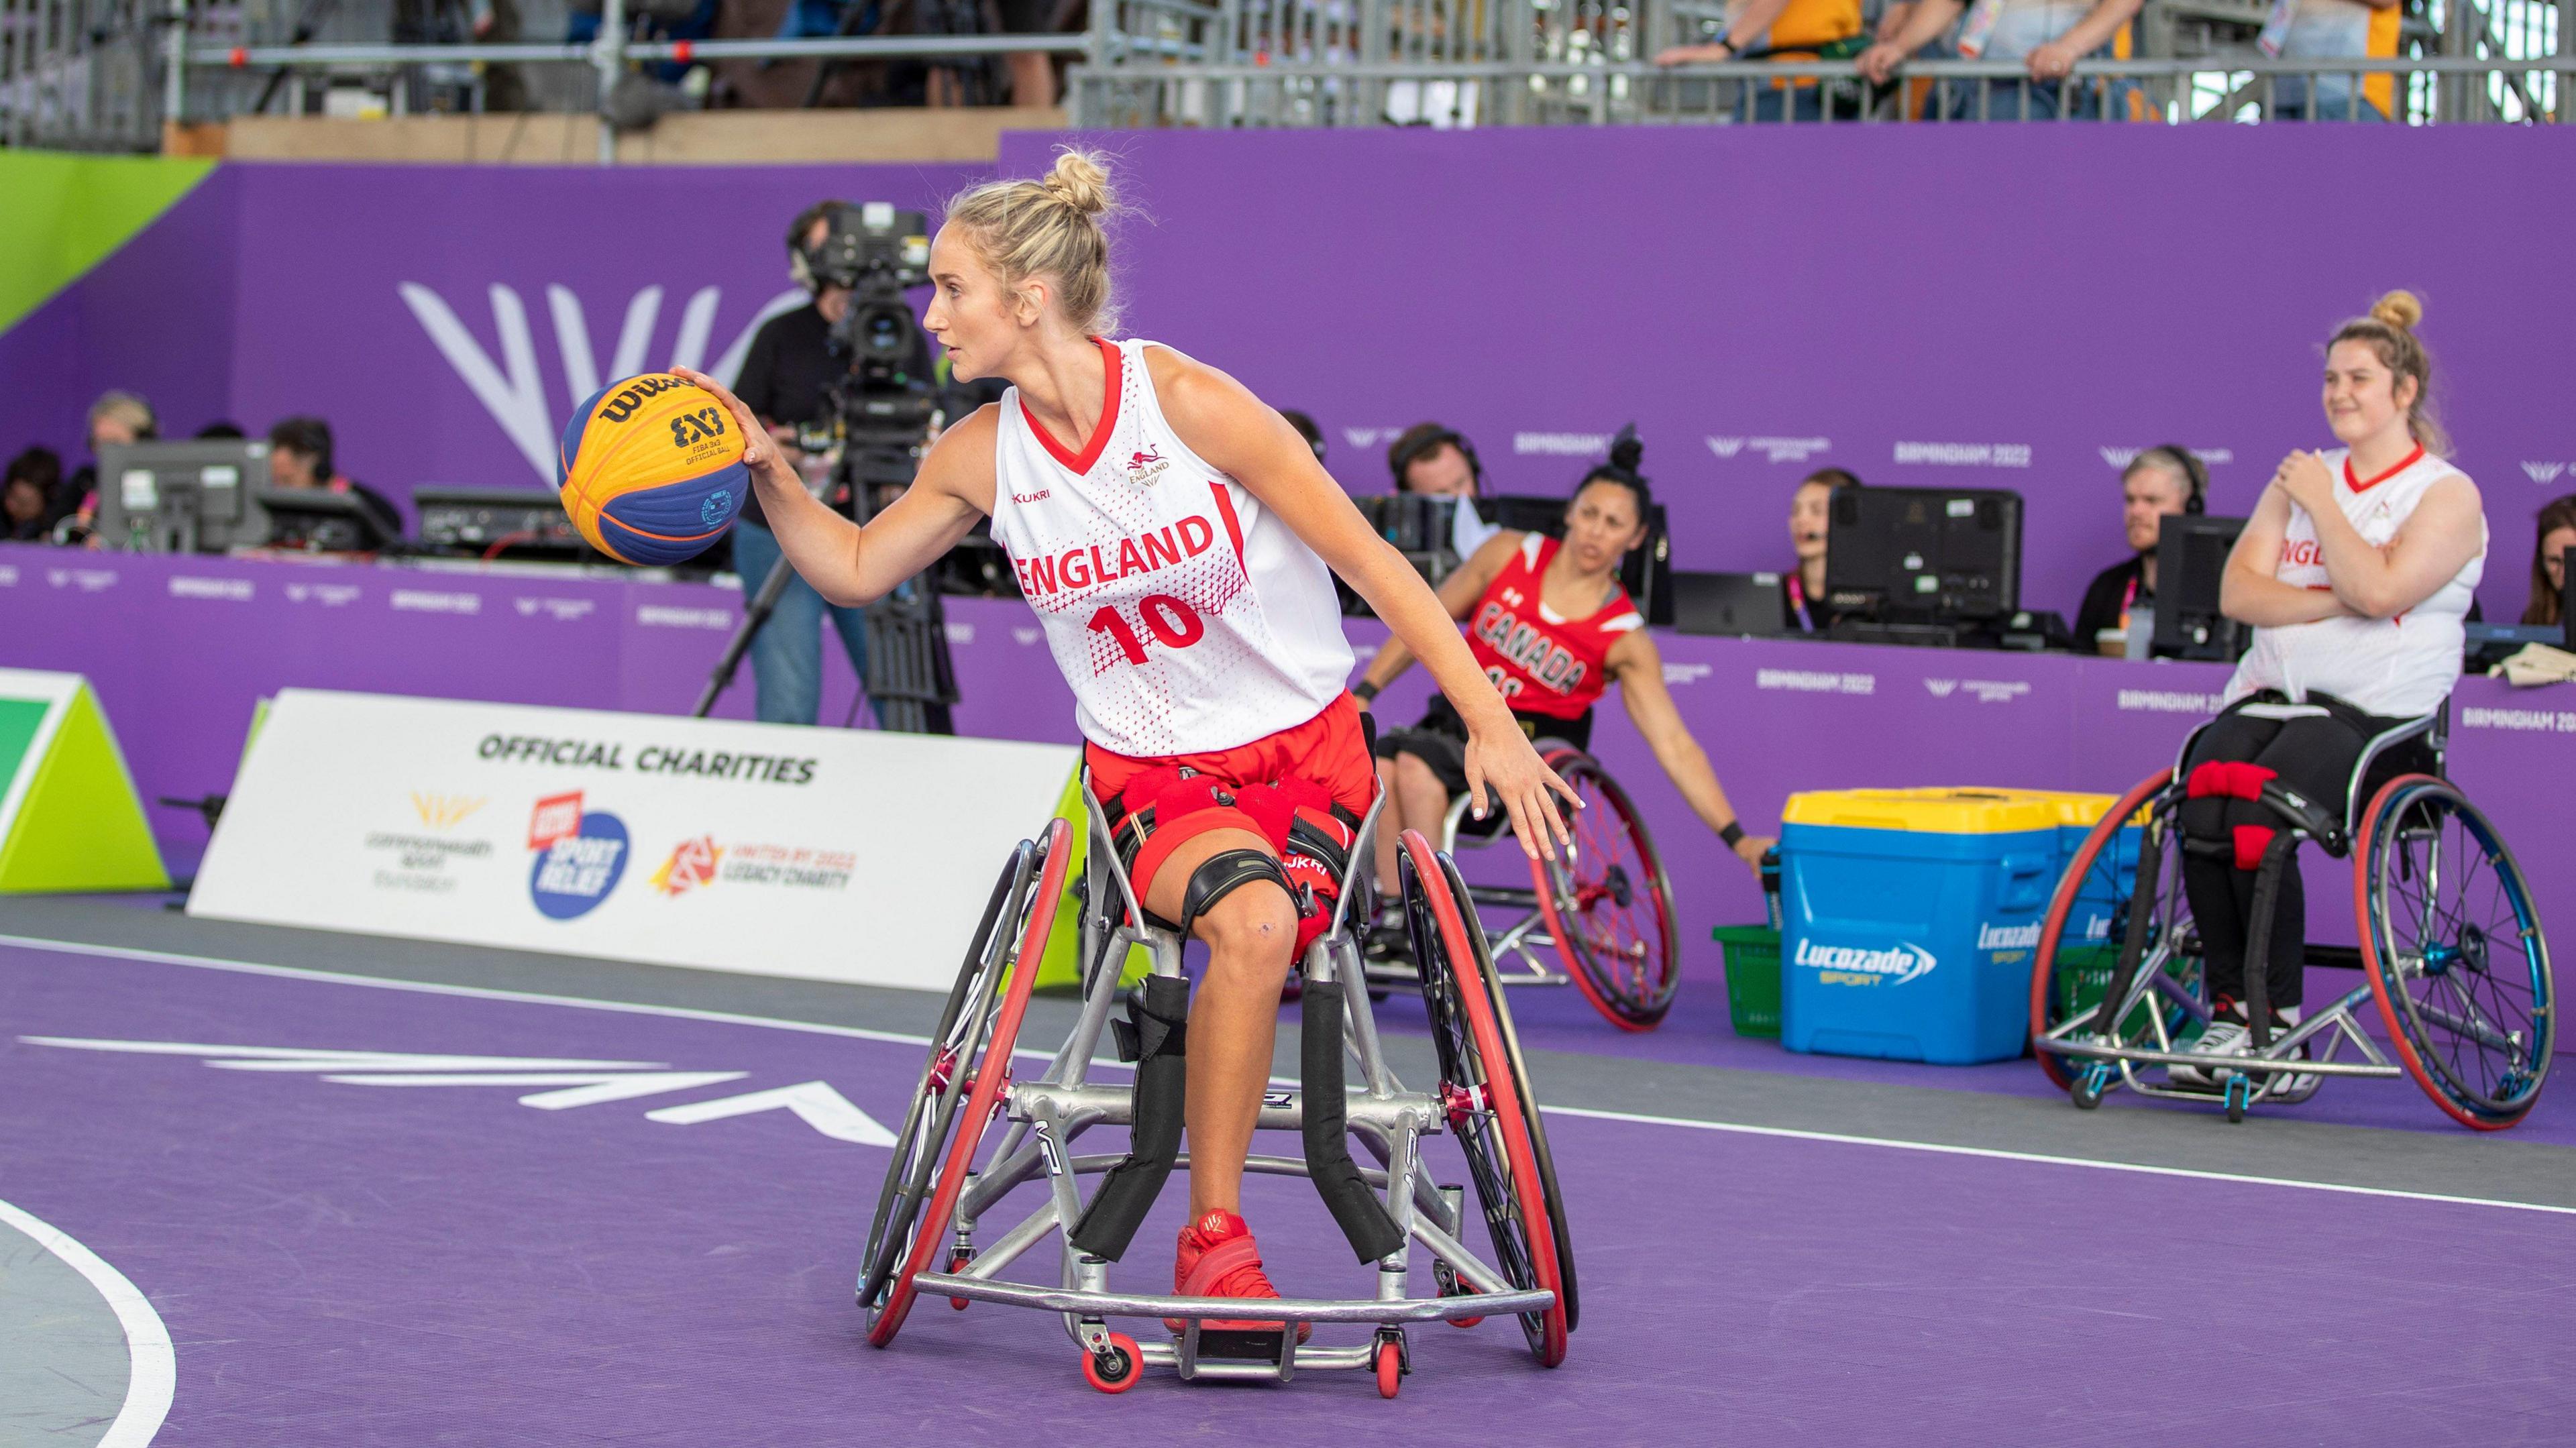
<point>580,855</point>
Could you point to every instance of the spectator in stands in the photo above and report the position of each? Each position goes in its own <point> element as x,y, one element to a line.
<point>115,419</point>
<point>1781,30</point>
<point>1802,589</point>
<point>2332,30</point>
<point>787,376</point>
<point>300,455</point>
<point>31,496</point>
<point>2557,534</point>
<point>2157,483</point>
<point>1432,459</point>
<point>2046,36</point>
<point>1032,72</point>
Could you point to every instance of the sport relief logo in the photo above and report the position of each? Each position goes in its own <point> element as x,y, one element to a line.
<point>580,855</point>
<point>1857,965</point>
<point>1144,467</point>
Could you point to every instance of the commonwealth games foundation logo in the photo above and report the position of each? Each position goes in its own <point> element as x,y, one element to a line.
<point>580,856</point>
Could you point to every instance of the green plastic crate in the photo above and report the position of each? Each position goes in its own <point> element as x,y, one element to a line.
<point>1753,978</point>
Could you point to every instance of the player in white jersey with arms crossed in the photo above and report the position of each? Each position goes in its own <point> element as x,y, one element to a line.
<point>1177,538</point>
<point>2357,571</point>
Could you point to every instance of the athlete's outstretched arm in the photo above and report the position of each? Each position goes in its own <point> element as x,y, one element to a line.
<point>1639,667</point>
<point>1224,423</point>
<point>1457,593</point>
<point>849,565</point>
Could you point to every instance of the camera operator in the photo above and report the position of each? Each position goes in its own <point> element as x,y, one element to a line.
<point>787,379</point>
<point>300,455</point>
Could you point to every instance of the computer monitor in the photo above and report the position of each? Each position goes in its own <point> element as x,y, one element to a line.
<point>1924,555</point>
<point>2191,563</point>
<point>182,497</point>
<point>1746,604</point>
<point>321,520</point>
<point>1647,572</point>
<point>1415,523</point>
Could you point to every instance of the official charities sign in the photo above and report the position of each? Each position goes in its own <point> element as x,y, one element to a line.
<point>824,854</point>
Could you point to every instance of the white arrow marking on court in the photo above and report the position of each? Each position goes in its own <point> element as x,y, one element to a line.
<point>590,1087</point>
<point>300,1058</point>
<point>814,1102</point>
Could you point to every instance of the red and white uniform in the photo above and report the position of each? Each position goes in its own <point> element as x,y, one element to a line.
<point>1543,662</point>
<point>1186,616</point>
<point>2398,667</point>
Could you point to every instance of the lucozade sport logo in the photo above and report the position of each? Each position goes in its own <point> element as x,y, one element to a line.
<point>1858,965</point>
<point>580,856</point>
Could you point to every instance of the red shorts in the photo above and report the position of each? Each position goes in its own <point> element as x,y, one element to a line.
<point>1329,750</point>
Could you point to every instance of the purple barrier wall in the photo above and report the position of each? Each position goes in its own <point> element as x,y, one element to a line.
<point>2005,306</point>
<point>180,650</point>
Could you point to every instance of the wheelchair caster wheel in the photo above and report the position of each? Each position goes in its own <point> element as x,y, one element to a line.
<point>958,1258</point>
<point>1116,1370</point>
<point>1389,1361</point>
<point>2240,1093</point>
<point>2087,1090</point>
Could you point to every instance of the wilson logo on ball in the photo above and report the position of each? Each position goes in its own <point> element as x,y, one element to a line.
<point>643,503</point>
<point>632,395</point>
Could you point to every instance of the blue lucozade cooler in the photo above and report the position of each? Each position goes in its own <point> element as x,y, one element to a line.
<point>1910,921</point>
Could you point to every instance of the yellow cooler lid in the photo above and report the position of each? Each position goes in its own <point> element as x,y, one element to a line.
<point>1928,811</point>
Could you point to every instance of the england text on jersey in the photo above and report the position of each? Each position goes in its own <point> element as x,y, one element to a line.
<point>1078,569</point>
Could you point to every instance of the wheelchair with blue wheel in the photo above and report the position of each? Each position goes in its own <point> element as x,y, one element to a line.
<point>951,1170</point>
<point>2450,948</point>
<point>1603,909</point>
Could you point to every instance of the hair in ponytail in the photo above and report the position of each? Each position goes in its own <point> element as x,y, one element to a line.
<point>1051,227</point>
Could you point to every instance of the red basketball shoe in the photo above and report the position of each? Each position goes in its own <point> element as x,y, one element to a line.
<point>1218,1258</point>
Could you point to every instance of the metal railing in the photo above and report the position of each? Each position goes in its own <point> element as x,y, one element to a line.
<point>2418,90</point>
<point>106,74</point>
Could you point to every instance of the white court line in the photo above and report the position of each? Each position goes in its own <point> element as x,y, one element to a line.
<point>152,1376</point>
<point>474,992</point>
<point>2044,1159</point>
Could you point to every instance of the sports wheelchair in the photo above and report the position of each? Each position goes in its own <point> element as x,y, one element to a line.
<point>1604,907</point>
<point>2450,948</point>
<point>941,1183</point>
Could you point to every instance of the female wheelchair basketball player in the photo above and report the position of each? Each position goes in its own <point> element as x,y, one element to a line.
<point>1552,628</point>
<point>2356,570</point>
<point>1173,534</point>
<point>2183,906</point>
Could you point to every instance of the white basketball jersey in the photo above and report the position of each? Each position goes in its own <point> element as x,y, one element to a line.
<point>1185,615</point>
<point>2396,667</point>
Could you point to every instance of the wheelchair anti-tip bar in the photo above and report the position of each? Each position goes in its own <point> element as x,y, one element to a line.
<point>2247,1065</point>
<point>1283,1309</point>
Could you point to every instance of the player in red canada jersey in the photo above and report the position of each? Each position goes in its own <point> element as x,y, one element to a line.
<point>1553,629</point>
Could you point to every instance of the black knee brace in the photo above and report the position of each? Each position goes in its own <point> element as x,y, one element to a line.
<point>1337,1179</point>
<point>1160,1011</point>
<point>1222,875</point>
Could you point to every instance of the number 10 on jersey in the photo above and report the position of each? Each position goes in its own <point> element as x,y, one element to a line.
<point>1174,623</point>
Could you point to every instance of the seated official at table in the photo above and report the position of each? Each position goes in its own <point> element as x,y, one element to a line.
<point>1802,589</point>
<point>1435,460</point>
<point>2556,534</point>
<point>31,496</point>
<point>2162,480</point>
<point>299,456</point>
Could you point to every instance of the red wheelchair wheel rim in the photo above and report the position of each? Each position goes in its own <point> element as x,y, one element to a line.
<point>2043,970</point>
<point>992,1072</point>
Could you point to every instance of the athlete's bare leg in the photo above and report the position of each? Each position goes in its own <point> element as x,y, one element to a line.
<point>1390,827</point>
<point>1419,801</point>
<point>1234,1021</point>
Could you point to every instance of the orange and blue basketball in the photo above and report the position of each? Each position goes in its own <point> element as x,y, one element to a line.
<point>651,470</point>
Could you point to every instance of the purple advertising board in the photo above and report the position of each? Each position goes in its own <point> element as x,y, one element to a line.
<point>181,649</point>
<point>1992,306</point>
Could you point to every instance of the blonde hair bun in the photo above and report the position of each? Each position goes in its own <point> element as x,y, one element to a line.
<point>1081,180</point>
<point>2400,309</point>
